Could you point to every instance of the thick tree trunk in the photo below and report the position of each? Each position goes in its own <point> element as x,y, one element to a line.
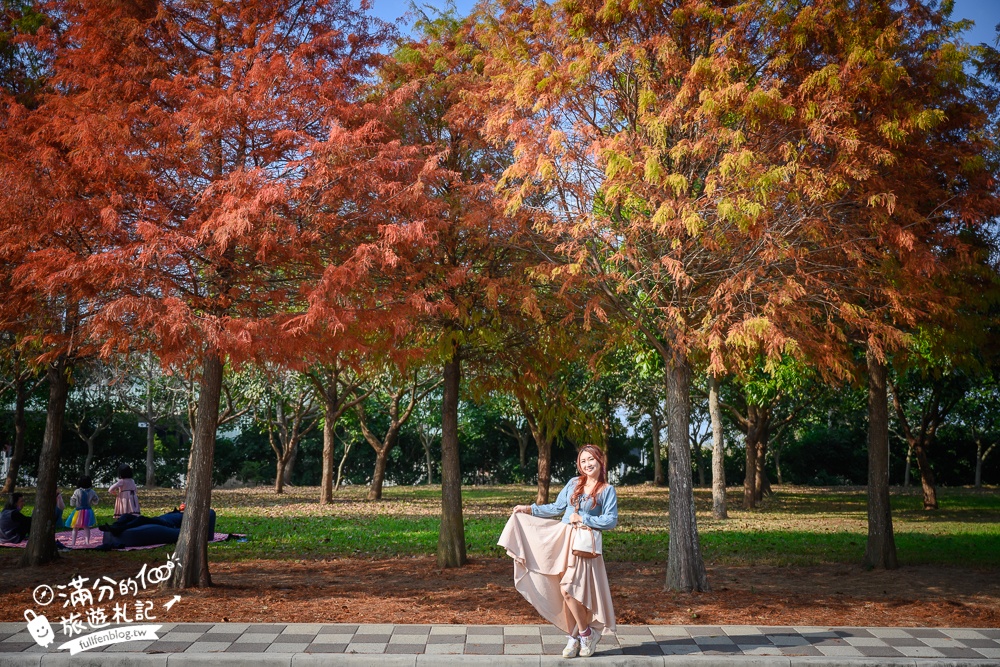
<point>654,419</point>
<point>41,546</point>
<point>880,551</point>
<point>718,451</point>
<point>451,538</point>
<point>279,475</point>
<point>20,430</point>
<point>926,475</point>
<point>192,545</point>
<point>762,481</point>
<point>378,477</point>
<point>685,566</point>
<point>329,442</point>
<point>150,452</point>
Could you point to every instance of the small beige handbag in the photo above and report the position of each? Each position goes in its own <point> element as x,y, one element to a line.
<point>586,542</point>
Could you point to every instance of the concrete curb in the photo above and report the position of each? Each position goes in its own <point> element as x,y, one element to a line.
<point>382,660</point>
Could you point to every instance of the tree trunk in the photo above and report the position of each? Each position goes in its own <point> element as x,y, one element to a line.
<point>919,441</point>
<point>750,476</point>
<point>978,479</point>
<point>699,463</point>
<point>41,546</point>
<point>654,419</point>
<point>293,456</point>
<point>685,566</point>
<point>426,441</point>
<point>329,444</point>
<point>777,464</point>
<point>192,544</point>
<point>980,457</point>
<point>279,475</point>
<point>926,475</point>
<point>762,481</point>
<point>906,468</point>
<point>451,538</point>
<point>522,450</point>
<point>544,469</point>
<point>290,465</point>
<point>343,460</point>
<point>89,461</point>
<point>430,463</point>
<point>718,451</point>
<point>880,551</point>
<point>150,453</point>
<point>20,429</point>
<point>378,477</point>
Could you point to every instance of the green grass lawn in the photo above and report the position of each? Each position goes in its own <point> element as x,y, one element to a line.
<point>796,526</point>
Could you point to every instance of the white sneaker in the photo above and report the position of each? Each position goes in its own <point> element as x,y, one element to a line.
<point>588,644</point>
<point>572,648</point>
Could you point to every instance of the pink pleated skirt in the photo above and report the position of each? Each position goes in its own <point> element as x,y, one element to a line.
<point>544,566</point>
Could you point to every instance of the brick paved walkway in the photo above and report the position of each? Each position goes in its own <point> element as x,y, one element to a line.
<point>282,644</point>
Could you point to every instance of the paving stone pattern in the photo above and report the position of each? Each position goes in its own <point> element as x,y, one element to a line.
<point>487,640</point>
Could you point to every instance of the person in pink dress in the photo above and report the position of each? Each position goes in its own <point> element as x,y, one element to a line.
<point>124,491</point>
<point>569,590</point>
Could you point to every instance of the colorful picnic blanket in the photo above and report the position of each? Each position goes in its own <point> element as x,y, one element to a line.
<point>66,539</point>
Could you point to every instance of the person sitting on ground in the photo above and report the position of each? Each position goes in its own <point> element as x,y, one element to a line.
<point>14,526</point>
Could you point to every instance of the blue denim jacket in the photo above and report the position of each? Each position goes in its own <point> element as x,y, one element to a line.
<point>602,517</point>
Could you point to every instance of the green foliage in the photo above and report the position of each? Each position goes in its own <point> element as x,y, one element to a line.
<point>22,68</point>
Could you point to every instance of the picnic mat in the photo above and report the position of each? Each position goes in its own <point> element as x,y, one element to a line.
<point>66,539</point>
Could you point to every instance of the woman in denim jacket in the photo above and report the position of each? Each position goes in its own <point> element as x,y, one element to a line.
<point>569,591</point>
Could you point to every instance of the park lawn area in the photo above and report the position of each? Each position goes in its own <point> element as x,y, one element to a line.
<point>800,526</point>
<point>794,561</point>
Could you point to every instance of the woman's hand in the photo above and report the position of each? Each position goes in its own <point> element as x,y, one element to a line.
<point>523,509</point>
<point>575,519</point>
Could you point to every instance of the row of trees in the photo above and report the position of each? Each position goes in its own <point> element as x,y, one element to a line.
<point>801,431</point>
<point>716,188</point>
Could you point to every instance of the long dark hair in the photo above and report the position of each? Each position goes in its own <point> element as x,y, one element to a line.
<point>581,481</point>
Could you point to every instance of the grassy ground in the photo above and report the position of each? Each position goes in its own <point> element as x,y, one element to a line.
<point>797,526</point>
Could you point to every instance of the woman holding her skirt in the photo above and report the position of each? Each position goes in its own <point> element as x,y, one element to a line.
<point>569,591</point>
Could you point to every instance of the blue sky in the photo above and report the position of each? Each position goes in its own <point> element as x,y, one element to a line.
<point>986,14</point>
